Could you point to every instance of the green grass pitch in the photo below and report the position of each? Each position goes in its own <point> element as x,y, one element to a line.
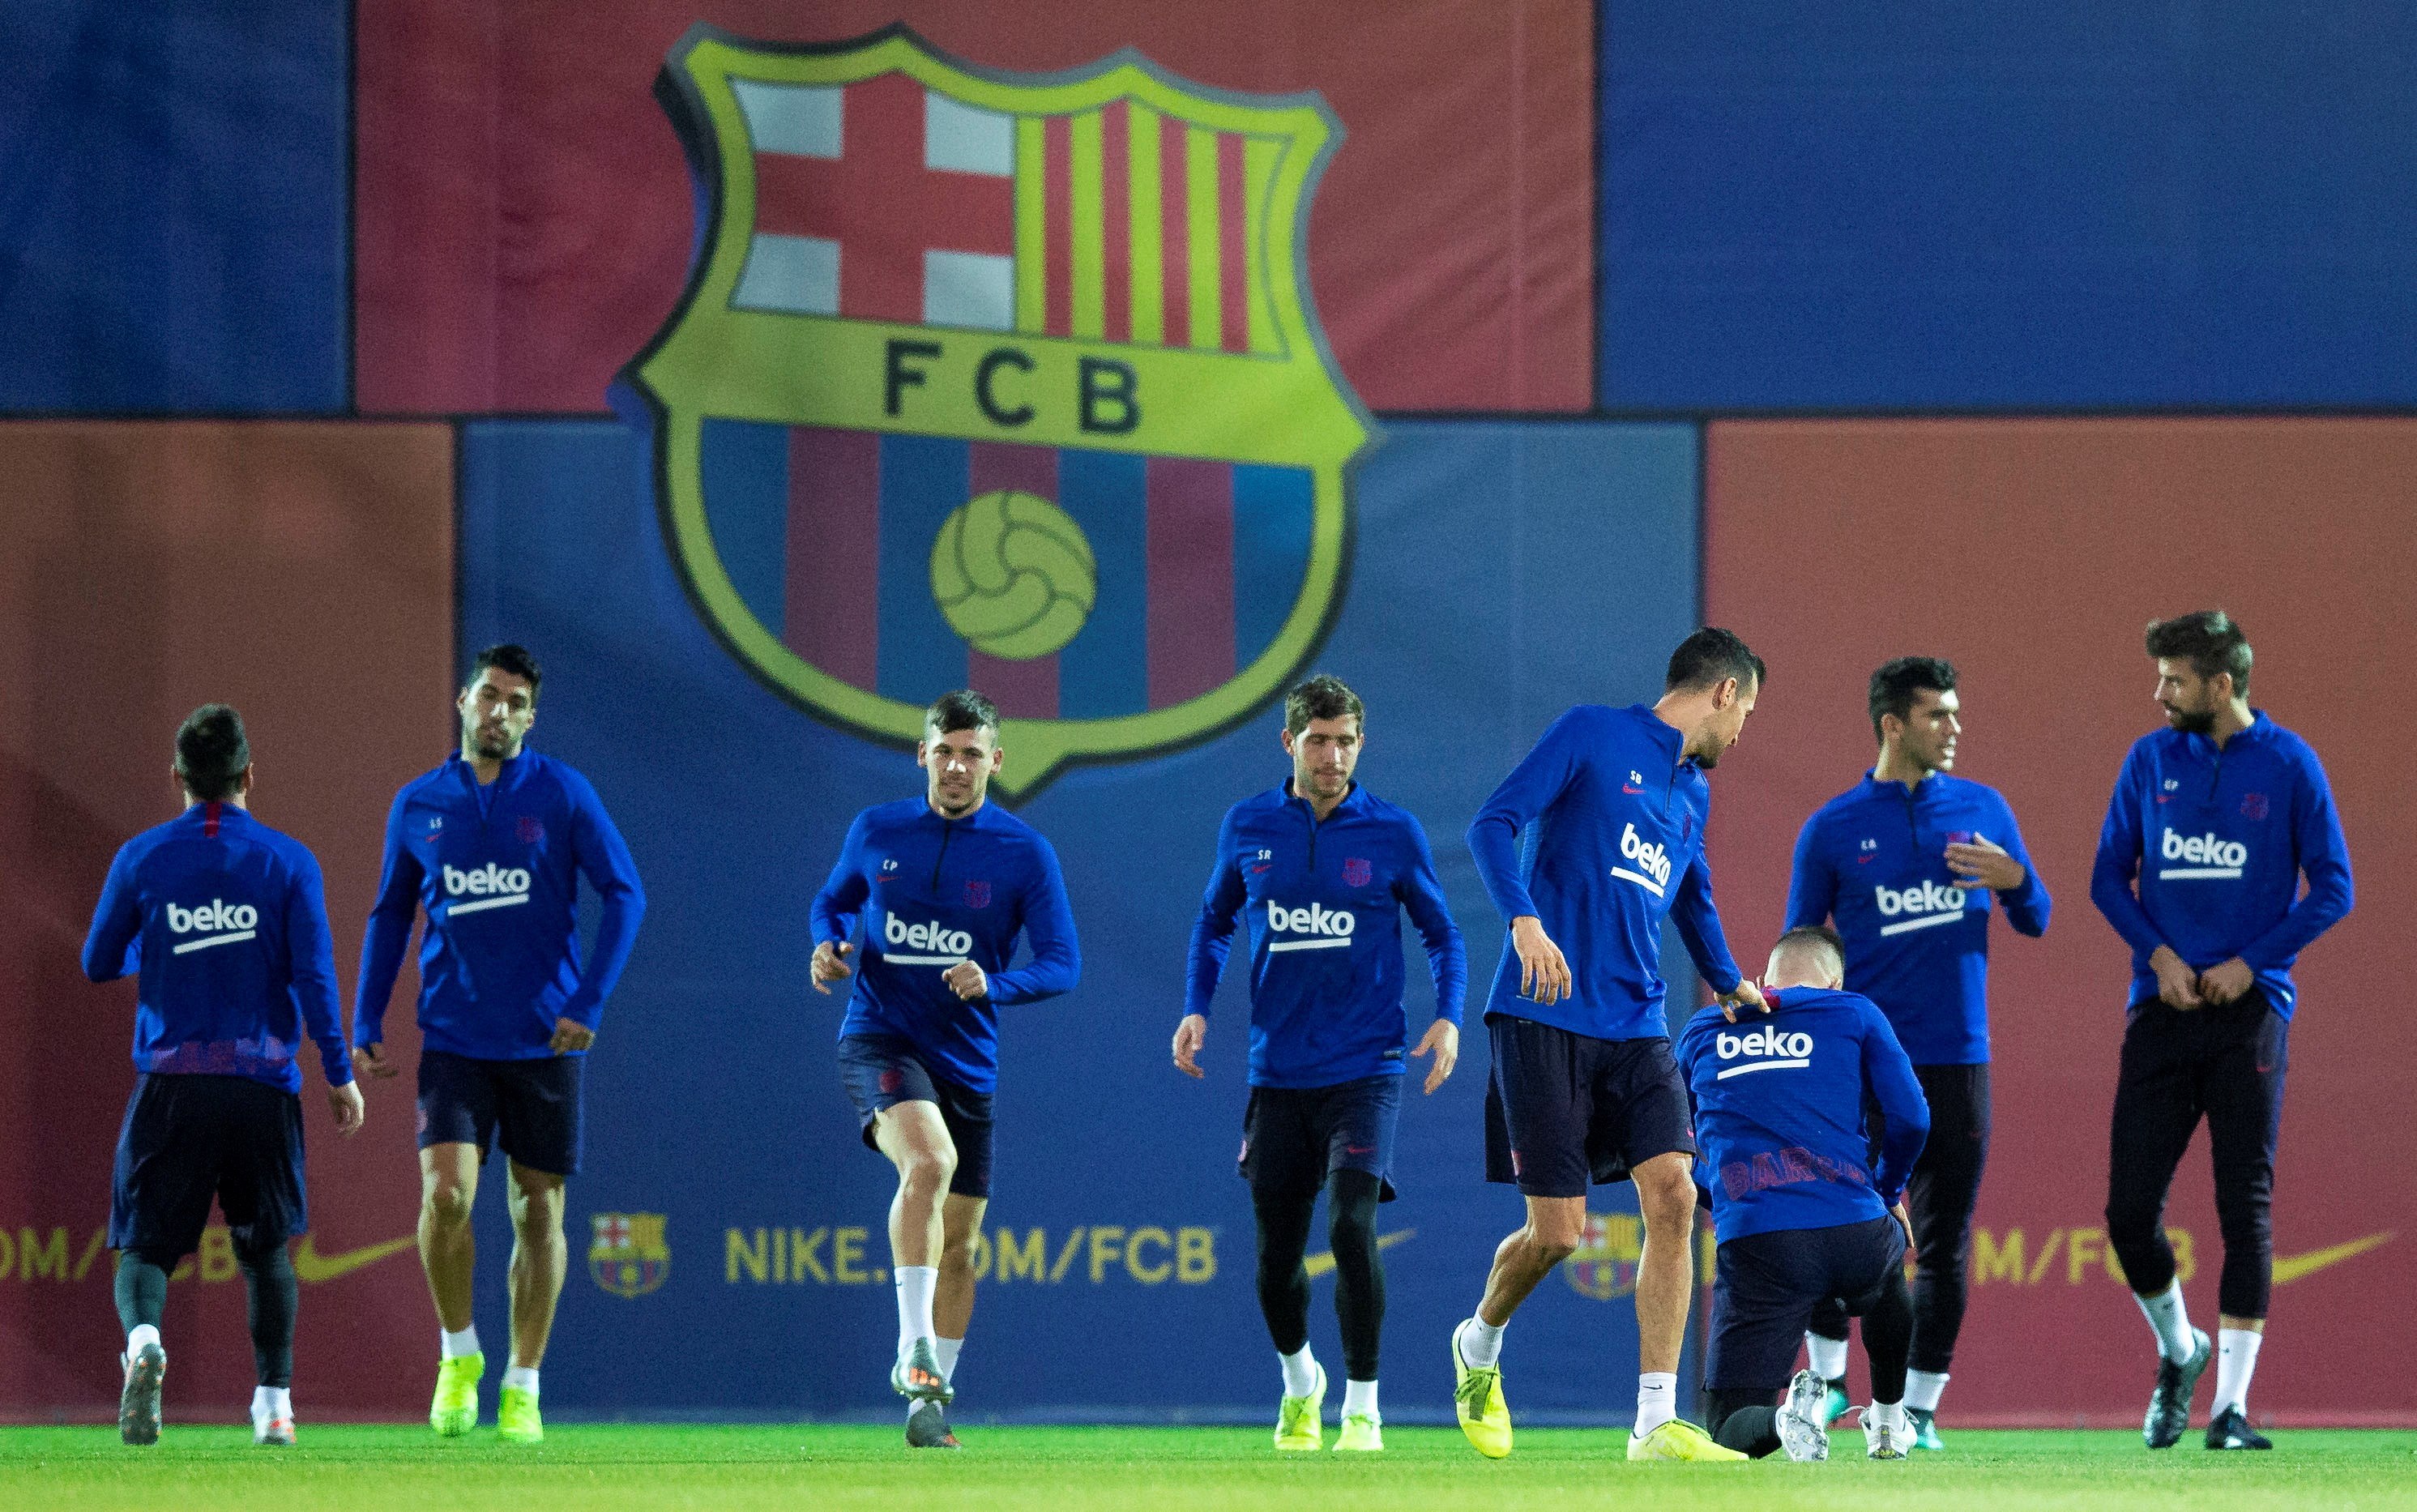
<point>1156,1470</point>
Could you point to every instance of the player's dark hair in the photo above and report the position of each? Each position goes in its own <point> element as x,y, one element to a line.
<point>1895,683</point>
<point>963,709</point>
<point>2209,641</point>
<point>508,657</point>
<point>1822,935</point>
<point>1711,656</point>
<point>211,751</point>
<point>1323,696</point>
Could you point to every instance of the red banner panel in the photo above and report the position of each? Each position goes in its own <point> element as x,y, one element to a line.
<point>303,573</point>
<point>524,221</point>
<point>2031,553</point>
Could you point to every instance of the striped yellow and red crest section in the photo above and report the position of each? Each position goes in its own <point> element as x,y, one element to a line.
<point>1135,226</point>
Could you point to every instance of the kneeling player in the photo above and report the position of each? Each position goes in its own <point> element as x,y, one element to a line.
<point>1779,1118</point>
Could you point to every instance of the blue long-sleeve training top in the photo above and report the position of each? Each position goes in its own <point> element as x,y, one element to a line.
<point>226,920</point>
<point>2203,850</point>
<point>1324,901</point>
<point>1780,1104</point>
<point>925,893</point>
<point>497,870</point>
<point>1619,818</point>
<point>1875,859</point>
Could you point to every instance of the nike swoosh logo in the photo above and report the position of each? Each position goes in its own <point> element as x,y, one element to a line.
<point>2290,1268</point>
<point>310,1266</point>
<point>1322,1264</point>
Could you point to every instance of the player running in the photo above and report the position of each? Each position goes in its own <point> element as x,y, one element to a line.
<point>226,920</point>
<point>491,845</point>
<point>2214,820</point>
<point>1906,862</point>
<point>940,887</point>
<point>1798,1215</point>
<point>1583,1086</point>
<point>1326,869</point>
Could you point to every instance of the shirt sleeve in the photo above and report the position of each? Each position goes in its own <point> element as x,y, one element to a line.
<point>2026,907</point>
<point>1056,961</point>
<point>2118,862</point>
<point>845,891</point>
<point>389,932</point>
<point>604,859</point>
<point>2323,856</point>
<point>1420,892</point>
<point>1699,927</point>
<point>1212,931</point>
<point>1521,798</point>
<point>113,947</point>
<point>311,957</point>
<point>1905,1113</point>
<point>1812,882</point>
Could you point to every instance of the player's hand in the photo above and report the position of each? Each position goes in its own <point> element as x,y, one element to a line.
<point>967,981</point>
<point>1904,1220</point>
<point>1190,1035</point>
<point>2177,984</point>
<point>830,964</point>
<point>1745,994</point>
<point>1544,970</point>
<point>1985,863</point>
<point>1442,1041</point>
<point>345,1103</point>
<point>368,1062</point>
<point>570,1036</point>
<point>2226,982</point>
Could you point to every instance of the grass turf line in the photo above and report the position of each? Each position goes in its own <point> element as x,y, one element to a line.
<point>1162,1469</point>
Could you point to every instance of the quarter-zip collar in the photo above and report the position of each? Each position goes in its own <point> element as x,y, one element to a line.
<point>510,774</point>
<point>1672,742</point>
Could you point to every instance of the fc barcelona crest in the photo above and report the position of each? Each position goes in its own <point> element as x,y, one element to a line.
<point>1002,380</point>
<point>628,1256</point>
<point>1603,1265</point>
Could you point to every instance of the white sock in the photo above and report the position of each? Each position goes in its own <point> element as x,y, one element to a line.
<point>2236,1361</point>
<point>945,1351</point>
<point>2171,1321</point>
<point>1922,1388</point>
<point>453,1344</point>
<point>1359,1398</point>
<point>1657,1400</point>
<point>521,1378</point>
<point>914,1285</point>
<point>1299,1372</point>
<point>143,1334</point>
<point>1888,1415</point>
<point>271,1402</point>
<point>1828,1356</point>
<point>1480,1342</point>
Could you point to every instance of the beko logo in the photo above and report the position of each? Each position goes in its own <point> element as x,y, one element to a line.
<point>948,946</point>
<point>488,887</point>
<point>2207,857</point>
<point>1931,905</point>
<point>226,923</point>
<point>1328,928</point>
<point>1771,1050</point>
<point>1652,871</point>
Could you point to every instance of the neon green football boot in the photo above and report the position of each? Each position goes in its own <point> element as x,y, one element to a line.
<point>1362,1433</point>
<point>1300,1420</point>
<point>1477,1399</point>
<point>455,1411</point>
<point>1679,1439</point>
<point>516,1416</point>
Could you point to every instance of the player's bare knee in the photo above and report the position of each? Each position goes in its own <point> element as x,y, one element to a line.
<point>444,1203</point>
<point>1552,1238</point>
<point>927,1172</point>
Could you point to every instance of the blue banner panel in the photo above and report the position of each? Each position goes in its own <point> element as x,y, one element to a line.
<point>172,206</point>
<point>729,1247</point>
<point>2023,206</point>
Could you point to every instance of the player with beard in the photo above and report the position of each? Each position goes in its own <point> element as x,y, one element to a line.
<point>2216,820</point>
<point>1584,1088</point>
<point>938,888</point>
<point>491,845</point>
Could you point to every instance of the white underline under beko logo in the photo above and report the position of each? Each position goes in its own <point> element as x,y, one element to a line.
<point>2207,858</point>
<point>234,922</point>
<point>1652,869</point>
<point>1779,1051</point>
<point>486,887</point>
<point>947,946</point>
<point>1327,928</point>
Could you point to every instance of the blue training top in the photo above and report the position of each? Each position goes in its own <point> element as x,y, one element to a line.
<point>2217,840</point>
<point>226,920</point>
<point>1326,901</point>
<point>928,892</point>
<point>1779,1105</point>
<point>1616,847</point>
<point>1875,858</point>
<point>496,869</point>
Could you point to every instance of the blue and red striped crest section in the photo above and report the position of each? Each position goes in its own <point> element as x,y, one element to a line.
<point>1003,381</point>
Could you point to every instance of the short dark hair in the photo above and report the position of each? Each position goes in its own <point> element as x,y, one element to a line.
<point>211,751</point>
<point>1710,656</point>
<point>508,657</point>
<point>2208,640</point>
<point>1821,935</point>
<point>1323,696</point>
<point>1895,683</point>
<point>963,709</point>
